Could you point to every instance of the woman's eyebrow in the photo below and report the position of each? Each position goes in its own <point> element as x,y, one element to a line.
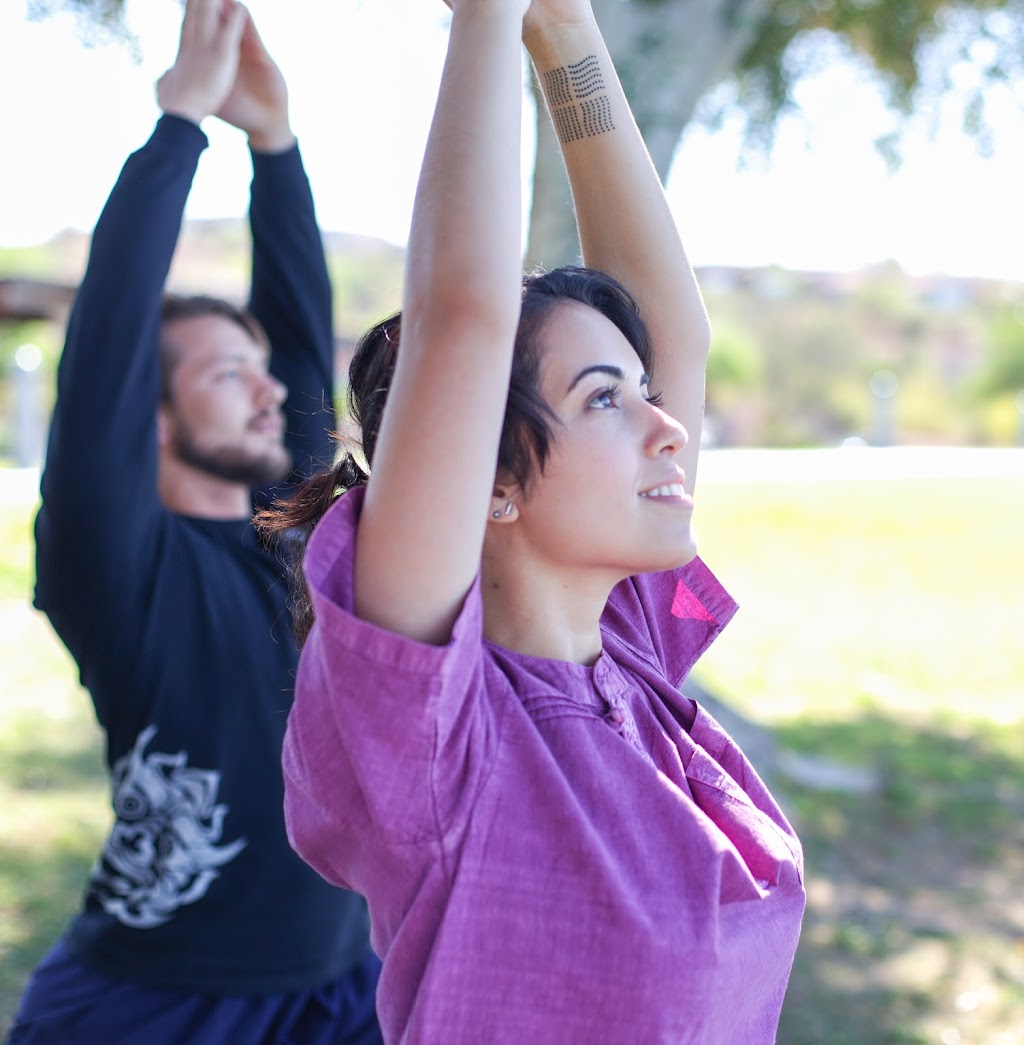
<point>598,368</point>
<point>605,368</point>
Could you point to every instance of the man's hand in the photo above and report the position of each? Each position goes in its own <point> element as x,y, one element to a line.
<point>207,63</point>
<point>258,100</point>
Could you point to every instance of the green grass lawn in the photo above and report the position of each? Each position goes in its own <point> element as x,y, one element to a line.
<point>53,805</point>
<point>880,626</point>
<point>902,595</point>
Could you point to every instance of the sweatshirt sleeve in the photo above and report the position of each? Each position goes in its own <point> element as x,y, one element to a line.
<point>291,297</point>
<point>100,518</point>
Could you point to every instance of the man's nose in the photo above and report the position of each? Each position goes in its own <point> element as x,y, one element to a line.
<point>271,392</point>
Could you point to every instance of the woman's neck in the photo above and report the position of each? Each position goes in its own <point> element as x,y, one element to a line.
<point>533,609</point>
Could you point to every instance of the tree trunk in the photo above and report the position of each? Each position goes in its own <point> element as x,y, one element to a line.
<point>668,53</point>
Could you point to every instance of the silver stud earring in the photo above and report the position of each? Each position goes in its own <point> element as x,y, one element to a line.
<point>508,508</point>
<point>497,515</point>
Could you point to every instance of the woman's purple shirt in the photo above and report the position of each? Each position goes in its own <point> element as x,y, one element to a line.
<point>551,852</point>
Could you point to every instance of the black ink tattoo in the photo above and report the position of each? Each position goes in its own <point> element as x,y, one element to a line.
<point>567,123</point>
<point>597,116</point>
<point>556,87</point>
<point>586,77</point>
<point>580,108</point>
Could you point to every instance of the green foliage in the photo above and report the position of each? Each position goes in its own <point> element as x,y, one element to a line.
<point>1004,368</point>
<point>17,571</point>
<point>998,421</point>
<point>734,361</point>
<point>26,262</point>
<point>367,286</point>
<point>793,354</point>
<point>98,20</point>
<point>929,409</point>
<point>912,45</point>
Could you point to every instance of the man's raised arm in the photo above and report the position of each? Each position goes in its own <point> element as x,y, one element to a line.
<point>291,292</point>
<point>99,488</point>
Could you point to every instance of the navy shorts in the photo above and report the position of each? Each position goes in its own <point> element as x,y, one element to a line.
<point>67,1003</point>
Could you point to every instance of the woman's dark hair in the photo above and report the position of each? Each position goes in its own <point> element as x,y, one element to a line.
<point>526,432</point>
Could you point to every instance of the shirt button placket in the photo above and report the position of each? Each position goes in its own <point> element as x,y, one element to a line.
<point>616,716</point>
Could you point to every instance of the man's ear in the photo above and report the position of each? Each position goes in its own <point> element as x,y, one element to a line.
<point>164,426</point>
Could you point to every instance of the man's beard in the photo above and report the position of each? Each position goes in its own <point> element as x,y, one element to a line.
<point>234,464</point>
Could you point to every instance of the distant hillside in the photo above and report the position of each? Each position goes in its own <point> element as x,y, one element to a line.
<point>797,358</point>
<point>213,258</point>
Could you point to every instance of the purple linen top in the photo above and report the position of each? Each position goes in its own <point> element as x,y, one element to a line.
<point>551,852</point>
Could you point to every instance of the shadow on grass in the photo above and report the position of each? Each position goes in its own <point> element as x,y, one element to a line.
<point>54,794</point>
<point>40,891</point>
<point>915,926</point>
<point>915,921</point>
<point>38,766</point>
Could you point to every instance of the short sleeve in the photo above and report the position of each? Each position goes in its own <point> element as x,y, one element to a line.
<point>669,618</point>
<point>388,738</point>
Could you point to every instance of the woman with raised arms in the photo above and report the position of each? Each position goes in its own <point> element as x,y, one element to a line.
<point>488,739</point>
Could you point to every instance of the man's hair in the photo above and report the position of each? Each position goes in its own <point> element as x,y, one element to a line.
<point>175,307</point>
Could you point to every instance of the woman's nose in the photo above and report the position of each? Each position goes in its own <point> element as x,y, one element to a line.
<point>667,434</point>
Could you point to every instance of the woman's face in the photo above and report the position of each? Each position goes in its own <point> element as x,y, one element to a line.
<point>611,493</point>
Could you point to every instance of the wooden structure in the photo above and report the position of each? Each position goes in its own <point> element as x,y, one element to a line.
<point>27,299</point>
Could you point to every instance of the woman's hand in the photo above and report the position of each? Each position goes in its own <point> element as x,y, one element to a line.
<point>517,7</point>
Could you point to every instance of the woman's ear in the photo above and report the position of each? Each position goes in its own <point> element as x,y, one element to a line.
<point>503,505</point>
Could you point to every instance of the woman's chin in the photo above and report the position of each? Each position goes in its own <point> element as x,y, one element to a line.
<point>681,554</point>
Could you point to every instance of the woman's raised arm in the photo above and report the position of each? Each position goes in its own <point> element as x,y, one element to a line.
<point>625,225</point>
<point>427,499</point>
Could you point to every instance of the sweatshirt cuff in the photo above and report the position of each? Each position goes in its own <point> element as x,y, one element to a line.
<point>177,132</point>
<point>271,162</point>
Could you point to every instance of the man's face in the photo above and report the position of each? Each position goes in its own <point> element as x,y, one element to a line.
<point>222,413</point>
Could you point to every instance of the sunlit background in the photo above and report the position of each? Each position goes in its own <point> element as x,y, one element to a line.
<point>362,77</point>
<point>862,491</point>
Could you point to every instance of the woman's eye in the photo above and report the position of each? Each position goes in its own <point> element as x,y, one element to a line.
<point>656,399</point>
<point>605,399</point>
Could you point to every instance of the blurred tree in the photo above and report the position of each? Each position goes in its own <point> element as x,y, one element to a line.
<point>1003,372</point>
<point>671,53</point>
<point>98,20</point>
<point>734,373</point>
<point>734,361</point>
<point>811,362</point>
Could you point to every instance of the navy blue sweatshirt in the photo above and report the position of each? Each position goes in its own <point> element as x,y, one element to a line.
<point>179,625</point>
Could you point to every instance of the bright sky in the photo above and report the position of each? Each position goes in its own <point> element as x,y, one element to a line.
<point>362,76</point>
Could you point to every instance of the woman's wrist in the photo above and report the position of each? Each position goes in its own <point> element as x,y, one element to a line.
<point>552,43</point>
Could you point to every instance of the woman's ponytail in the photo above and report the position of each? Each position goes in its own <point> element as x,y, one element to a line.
<point>289,522</point>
